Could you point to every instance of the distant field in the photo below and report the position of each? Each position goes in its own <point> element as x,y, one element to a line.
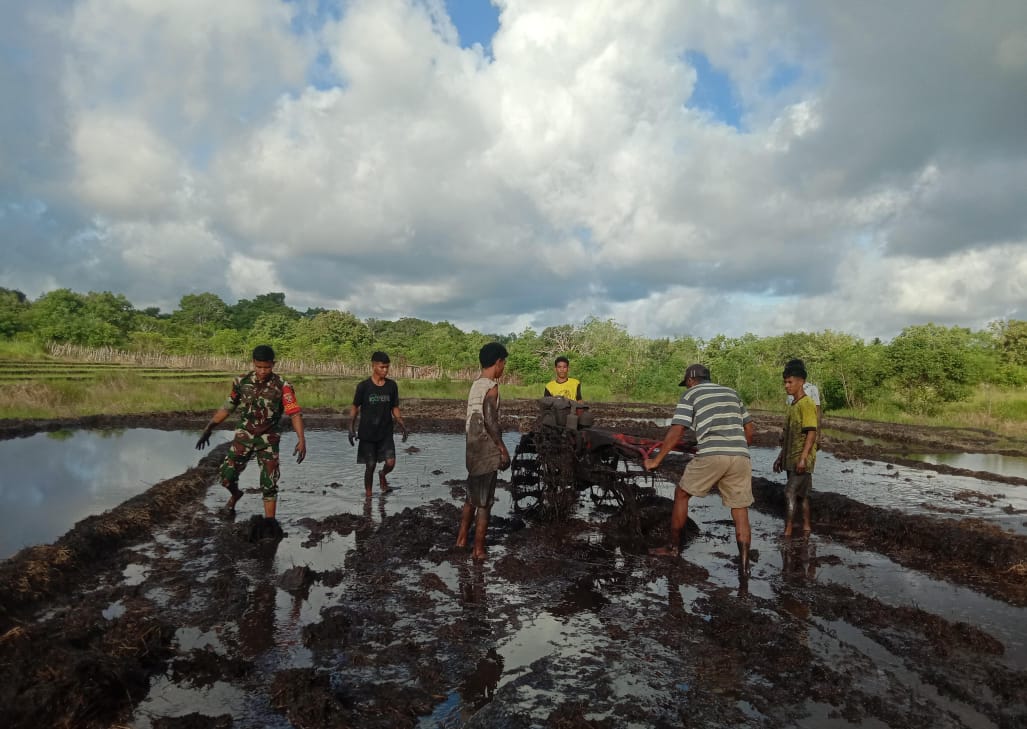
<point>55,388</point>
<point>53,371</point>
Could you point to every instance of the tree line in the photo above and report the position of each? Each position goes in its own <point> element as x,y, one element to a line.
<point>920,369</point>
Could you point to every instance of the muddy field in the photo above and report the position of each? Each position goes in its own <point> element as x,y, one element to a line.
<point>167,613</point>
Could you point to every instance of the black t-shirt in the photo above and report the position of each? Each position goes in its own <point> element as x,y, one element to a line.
<point>376,403</point>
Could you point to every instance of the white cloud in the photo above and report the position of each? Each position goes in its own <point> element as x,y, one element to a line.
<point>124,169</point>
<point>563,177</point>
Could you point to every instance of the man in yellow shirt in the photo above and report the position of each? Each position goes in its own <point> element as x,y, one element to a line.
<point>563,386</point>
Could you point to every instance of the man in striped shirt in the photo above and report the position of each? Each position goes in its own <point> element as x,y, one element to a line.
<point>723,430</point>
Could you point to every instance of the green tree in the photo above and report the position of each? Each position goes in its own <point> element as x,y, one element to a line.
<point>246,312</point>
<point>332,334</point>
<point>275,329</point>
<point>105,309</point>
<point>931,364</point>
<point>206,311</point>
<point>56,316</point>
<point>228,342</point>
<point>93,320</point>
<point>1011,340</point>
<point>14,308</point>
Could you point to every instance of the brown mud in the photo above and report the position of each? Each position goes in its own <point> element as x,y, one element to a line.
<point>411,631</point>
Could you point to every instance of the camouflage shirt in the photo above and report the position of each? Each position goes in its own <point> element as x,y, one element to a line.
<point>261,405</point>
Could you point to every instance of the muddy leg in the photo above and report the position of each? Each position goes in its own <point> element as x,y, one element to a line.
<point>790,503</point>
<point>678,519</point>
<point>465,524</point>
<point>743,536</point>
<point>807,524</point>
<point>231,467</point>
<point>386,469</point>
<point>270,507</point>
<point>233,499</point>
<point>481,527</point>
<point>369,477</point>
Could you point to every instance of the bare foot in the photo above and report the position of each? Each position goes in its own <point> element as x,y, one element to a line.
<point>663,552</point>
<point>384,484</point>
<point>233,500</point>
<point>479,556</point>
<point>461,544</point>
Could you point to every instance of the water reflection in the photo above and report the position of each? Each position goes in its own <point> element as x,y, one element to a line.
<point>912,490</point>
<point>52,480</point>
<point>798,559</point>
<point>479,686</point>
<point>986,462</point>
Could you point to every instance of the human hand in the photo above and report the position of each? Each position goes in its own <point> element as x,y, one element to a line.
<point>405,434</point>
<point>650,464</point>
<point>300,451</point>
<point>504,460</point>
<point>204,440</point>
<point>352,437</point>
<point>800,467</point>
<point>777,465</point>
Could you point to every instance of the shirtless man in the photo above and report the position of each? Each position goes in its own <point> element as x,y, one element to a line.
<point>486,454</point>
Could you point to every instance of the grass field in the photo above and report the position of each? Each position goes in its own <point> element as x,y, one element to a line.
<point>50,388</point>
<point>37,386</point>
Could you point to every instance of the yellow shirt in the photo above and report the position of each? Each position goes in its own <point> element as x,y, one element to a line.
<point>570,389</point>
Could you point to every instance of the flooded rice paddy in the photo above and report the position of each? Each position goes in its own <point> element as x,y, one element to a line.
<point>363,614</point>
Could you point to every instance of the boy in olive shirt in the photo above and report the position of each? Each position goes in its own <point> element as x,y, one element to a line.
<point>798,446</point>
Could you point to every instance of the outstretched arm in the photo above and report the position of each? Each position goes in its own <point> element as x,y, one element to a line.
<point>670,440</point>
<point>218,418</point>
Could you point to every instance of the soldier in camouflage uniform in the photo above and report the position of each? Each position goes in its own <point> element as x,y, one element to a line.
<point>263,397</point>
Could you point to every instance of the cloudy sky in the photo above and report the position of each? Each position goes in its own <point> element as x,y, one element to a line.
<point>682,167</point>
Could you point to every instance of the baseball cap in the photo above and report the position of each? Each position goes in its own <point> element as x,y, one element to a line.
<point>696,371</point>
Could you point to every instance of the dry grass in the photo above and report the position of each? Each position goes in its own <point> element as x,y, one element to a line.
<point>13,634</point>
<point>1019,569</point>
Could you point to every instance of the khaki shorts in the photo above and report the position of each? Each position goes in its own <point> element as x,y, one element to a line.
<point>732,475</point>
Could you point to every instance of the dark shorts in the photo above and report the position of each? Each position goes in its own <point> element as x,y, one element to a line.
<point>376,451</point>
<point>800,485</point>
<point>481,490</point>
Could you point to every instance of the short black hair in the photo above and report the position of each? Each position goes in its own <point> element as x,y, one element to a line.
<point>263,353</point>
<point>491,353</point>
<point>380,357</point>
<point>563,359</point>
<point>794,368</point>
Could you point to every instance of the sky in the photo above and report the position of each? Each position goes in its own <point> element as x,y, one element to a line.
<point>681,167</point>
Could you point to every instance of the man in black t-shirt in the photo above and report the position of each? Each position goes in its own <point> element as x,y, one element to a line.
<point>376,403</point>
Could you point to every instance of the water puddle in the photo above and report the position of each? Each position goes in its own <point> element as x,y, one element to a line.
<point>985,462</point>
<point>606,630</point>
<point>52,480</point>
<point>911,490</point>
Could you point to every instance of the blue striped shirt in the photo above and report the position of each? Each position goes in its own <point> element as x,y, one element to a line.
<point>717,415</point>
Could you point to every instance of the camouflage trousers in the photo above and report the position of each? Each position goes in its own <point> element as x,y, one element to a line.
<point>240,453</point>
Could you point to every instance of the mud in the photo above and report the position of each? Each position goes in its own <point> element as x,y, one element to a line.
<point>564,626</point>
